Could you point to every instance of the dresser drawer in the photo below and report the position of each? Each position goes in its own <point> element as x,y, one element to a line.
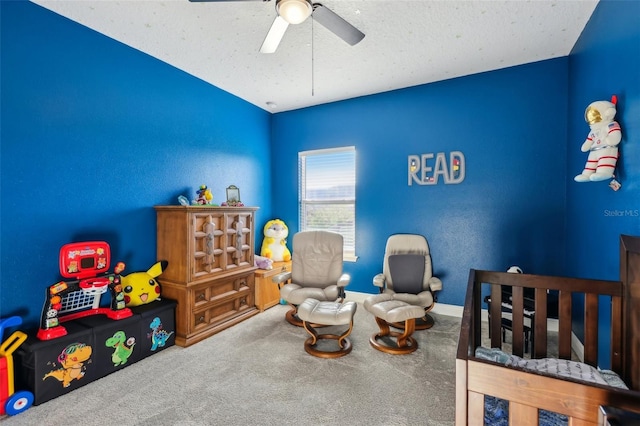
<point>217,291</point>
<point>220,300</point>
<point>219,314</point>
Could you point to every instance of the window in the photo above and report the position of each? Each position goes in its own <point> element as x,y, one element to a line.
<point>327,193</point>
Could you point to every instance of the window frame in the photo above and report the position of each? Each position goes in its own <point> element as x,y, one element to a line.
<point>349,253</point>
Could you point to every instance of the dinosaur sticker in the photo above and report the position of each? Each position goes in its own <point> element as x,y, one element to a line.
<point>158,335</point>
<point>123,347</point>
<point>73,360</point>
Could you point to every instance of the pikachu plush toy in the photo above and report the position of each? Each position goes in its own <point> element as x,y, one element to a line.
<point>141,288</point>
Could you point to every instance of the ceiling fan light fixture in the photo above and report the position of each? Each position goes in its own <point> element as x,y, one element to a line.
<point>294,11</point>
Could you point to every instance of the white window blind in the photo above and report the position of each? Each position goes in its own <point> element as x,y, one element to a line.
<point>327,193</point>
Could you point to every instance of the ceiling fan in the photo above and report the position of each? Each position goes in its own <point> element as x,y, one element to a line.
<point>296,12</point>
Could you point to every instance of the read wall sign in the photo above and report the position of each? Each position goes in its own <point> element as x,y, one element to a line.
<point>426,169</point>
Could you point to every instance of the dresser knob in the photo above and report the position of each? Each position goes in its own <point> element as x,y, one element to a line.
<point>201,296</point>
<point>201,319</point>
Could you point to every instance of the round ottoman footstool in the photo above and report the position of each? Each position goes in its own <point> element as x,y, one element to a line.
<point>387,310</point>
<point>314,312</point>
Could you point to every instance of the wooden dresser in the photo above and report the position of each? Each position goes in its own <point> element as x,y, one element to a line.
<point>267,292</point>
<point>210,274</point>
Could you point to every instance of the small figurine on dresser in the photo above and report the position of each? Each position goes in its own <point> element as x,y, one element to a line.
<point>205,197</point>
<point>274,245</point>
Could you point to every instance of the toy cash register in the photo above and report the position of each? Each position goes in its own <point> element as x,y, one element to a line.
<point>88,264</point>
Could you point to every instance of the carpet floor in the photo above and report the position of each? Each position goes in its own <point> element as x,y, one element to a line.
<point>257,373</point>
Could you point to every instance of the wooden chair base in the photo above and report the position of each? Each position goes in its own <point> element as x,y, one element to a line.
<point>292,316</point>
<point>421,323</point>
<point>402,343</point>
<point>310,345</point>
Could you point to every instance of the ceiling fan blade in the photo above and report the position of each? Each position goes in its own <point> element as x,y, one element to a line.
<point>275,34</point>
<point>334,23</point>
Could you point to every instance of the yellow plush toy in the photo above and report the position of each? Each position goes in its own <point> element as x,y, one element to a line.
<point>141,288</point>
<point>274,245</point>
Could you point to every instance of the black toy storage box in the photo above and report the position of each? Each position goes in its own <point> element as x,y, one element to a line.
<point>94,347</point>
<point>116,342</point>
<point>157,322</point>
<point>50,368</point>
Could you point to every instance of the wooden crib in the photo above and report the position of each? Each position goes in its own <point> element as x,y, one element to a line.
<point>528,392</point>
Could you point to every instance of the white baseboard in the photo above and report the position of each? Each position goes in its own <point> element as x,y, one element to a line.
<point>355,296</point>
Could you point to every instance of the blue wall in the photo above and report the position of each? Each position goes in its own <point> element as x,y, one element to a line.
<point>94,134</point>
<point>509,124</point>
<point>604,61</point>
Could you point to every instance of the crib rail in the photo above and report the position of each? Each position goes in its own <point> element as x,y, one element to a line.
<point>527,391</point>
<point>595,293</point>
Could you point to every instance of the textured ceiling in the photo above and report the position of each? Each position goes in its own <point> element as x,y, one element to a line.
<point>407,43</point>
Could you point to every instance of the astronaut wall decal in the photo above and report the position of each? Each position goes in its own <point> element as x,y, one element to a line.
<point>602,141</point>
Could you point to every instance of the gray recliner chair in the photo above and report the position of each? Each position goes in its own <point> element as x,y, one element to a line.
<point>407,275</point>
<point>316,271</point>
